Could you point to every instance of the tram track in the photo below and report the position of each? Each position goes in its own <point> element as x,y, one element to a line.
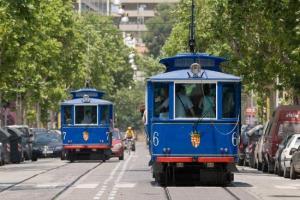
<point>231,193</point>
<point>31,177</point>
<point>74,181</point>
<point>167,193</point>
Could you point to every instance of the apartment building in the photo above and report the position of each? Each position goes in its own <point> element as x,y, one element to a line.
<point>138,11</point>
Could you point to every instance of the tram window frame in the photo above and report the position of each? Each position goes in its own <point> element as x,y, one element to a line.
<point>64,119</point>
<point>161,97</point>
<point>82,117</point>
<point>192,92</point>
<point>108,111</point>
<point>234,114</point>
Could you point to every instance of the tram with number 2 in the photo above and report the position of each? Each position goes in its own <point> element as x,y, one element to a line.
<point>87,124</point>
<point>193,120</point>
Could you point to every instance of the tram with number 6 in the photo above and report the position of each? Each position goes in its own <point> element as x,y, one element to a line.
<point>193,119</point>
<point>87,124</point>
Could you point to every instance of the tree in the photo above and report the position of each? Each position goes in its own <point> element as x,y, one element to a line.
<point>159,28</point>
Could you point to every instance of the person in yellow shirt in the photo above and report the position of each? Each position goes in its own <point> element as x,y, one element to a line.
<point>130,135</point>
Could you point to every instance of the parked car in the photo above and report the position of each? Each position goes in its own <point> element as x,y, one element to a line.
<point>243,142</point>
<point>258,152</point>
<point>286,155</point>
<point>117,145</point>
<point>46,145</point>
<point>1,155</point>
<point>15,141</point>
<point>285,120</point>
<point>5,141</point>
<point>295,163</point>
<point>253,136</point>
<point>277,169</point>
<point>27,139</point>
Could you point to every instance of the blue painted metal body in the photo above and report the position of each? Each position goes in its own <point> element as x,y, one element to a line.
<point>98,134</point>
<point>172,137</point>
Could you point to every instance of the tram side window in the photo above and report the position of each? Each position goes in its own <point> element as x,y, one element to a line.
<point>229,101</point>
<point>86,114</point>
<point>195,100</point>
<point>67,115</point>
<point>161,100</point>
<point>104,114</point>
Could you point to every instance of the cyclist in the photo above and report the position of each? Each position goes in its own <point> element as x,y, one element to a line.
<point>130,135</point>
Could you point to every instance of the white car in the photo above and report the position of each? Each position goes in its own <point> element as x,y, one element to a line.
<point>286,155</point>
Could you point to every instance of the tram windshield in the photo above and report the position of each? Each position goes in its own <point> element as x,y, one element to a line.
<point>161,100</point>
<point>86,115</point>
<point>229,101</point>
<point>195,100</point>
<point>104,114</point>
<point>67,115</point>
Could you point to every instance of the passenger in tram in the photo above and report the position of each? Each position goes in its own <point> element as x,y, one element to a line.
<point>183,104</point>
<point>163,108</point>
<point>207,103</point>
<point>87,119</point>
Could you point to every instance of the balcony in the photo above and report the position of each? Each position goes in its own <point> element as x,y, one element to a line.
<point>132,27</point>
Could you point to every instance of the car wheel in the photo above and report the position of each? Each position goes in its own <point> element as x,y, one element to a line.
<point>259,166</point>
<point>264,166</point>
<point>122,156</point>
<point>33,158</point>
<point>241,162</point>
<point>286,173</point>
<point>293,174</point>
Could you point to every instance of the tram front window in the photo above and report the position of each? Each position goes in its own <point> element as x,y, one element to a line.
<point>195,100</point>
<point>104,115</point>
<point>67,110</point>
<point>228,102</point>
<point>86,114</point>
<point>161,100</point>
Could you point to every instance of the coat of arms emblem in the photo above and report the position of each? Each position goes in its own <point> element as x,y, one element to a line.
<point>195,139</point>
<point>85,135</point>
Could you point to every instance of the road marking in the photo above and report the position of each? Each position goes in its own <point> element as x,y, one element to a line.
<point>5,184</point>
<point>286,187</point>
<point>50,185</point>
<point>104,186</point>
<point>125,185</point>
<point>86,186</point>
<point>112,194</point>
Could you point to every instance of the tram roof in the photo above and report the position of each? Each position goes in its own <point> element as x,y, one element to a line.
<point>184,60</point>
<point>186,74</point>
<point>92,101</point>
<point>91,92</point>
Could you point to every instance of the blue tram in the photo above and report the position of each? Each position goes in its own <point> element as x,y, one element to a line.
<point>193,120</point>
<point>87,122</point>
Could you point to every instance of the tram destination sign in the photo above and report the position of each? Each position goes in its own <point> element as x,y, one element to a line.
<point>186,62</point>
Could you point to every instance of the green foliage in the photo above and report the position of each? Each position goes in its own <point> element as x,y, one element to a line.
<point>46,49</point>
<point>261,38</point>
<point>127,104</point>
<point>160,27</point>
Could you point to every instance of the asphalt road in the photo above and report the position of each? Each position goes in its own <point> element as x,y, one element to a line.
<point>130,179</point>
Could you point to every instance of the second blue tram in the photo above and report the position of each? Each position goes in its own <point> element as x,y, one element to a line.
<point>193,120</point>
<point>87,122</point>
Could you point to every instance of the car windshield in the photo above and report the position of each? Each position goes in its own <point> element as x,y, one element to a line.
<point>116,135</point>
<point>44,139</point>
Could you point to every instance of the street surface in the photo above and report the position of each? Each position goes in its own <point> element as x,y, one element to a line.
<point>130,179</point>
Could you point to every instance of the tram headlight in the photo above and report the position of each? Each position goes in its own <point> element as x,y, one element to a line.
<point>86,99</point>
<point>195,69</point>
